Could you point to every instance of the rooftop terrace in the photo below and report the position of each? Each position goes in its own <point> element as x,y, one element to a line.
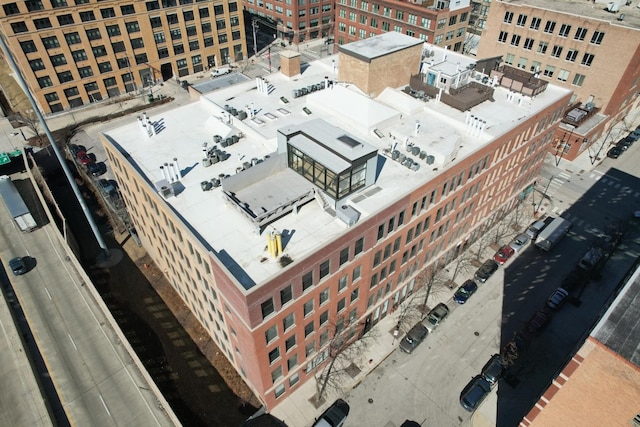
<point>432,134</point>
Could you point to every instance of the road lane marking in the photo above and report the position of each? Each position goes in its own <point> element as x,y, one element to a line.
<point>105,405</point>
<point>72,342</point>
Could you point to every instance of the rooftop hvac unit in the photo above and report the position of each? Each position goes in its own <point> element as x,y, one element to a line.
<point>295,93</point>
<point>164,188</point>
<point>613,7</point>
<point>234,112</point>
<point>348,215</point>
<point>217,138</point>
<point>206,185</point>
<point>621,17</point>
<point>423,155</point>
<point>430,160</point>
<point>206,162</point>
<point>215,182</point>
<point>415,150</point>
<point>235,138</point>
<point>415,166</point>
<point>246,165</point>
<point>402,158</point>
<point>395,154</point>
<point>408,162</point>
<point>242,115</point>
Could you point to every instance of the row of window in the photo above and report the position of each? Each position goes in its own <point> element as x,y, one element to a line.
<point>543,47</point>
<point>564,30</point>
<point>548,70</point>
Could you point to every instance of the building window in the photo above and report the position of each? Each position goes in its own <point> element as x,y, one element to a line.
<point>342,282</point>
<point>36,64</point>
<point>274,355</point>
<point>87,16</point>
<point>50,42</point>
<point>556,51</point>
<point>452,19</point>
<point>528,44</point>
<point>587,59</point>
<point>44,82</point>
<point>286,295</point>
<point>34,5</point>
<point>127,9</point>
<point>108,13</point>
<point>578,80</point>
<point>290,342</point>
<point>508,17</point>
<point>359,247</point>
<point>113,30</point>
<point>535,66</point>
<point>563,75</point>
<point>28,46</point>
<point>155,21</point>
<point>105,67</point>
<point>522,63</point>
<point>549,27</point>
<point>549,70</point>
<point>344,256</point>
<point>19,27</point>
<point>581,33</point>
<point>515,40</point>
<point>42,23</point>
<point>94,34</point>
<point>324,296</point>
<point>341,305</point>
<point>79,55</point>
<point>132,27</point>
<point>324,269</point>
<point>572,55</point>
<point>65,76</point>
<point>357,272</point>
<point>267,308</point>
<point>279,390</point>
<point>535,23</point>
<point>354,294</point>
<point>310,349</point>
<point>597,37</point>
<point>522,20</point>
<point>542,47</point>
<point>99,51</point>
<point>564,30</point>
<point>308,307</point>
<point>289,321</point>
<point>65,19</point>
<point>307,280</point>
<point>308,329</point>
<point>58,60</point>
<point>508,60</point>
<point>271,334</point>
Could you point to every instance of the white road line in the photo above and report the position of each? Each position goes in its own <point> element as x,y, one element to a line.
<point>48,294</point>
<point>105,405</point>
<point>564,175</point>
<point>72,342</point>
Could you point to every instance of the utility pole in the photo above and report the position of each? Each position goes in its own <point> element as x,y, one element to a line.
<point>255,41</point>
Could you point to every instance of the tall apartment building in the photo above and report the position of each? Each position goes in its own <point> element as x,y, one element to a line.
<point>72,53</point>
<point>439,22</point>
<point>306,214</point>
<point>579,45</point>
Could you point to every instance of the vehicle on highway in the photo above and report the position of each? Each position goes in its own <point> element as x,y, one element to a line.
<point>414,337</point>
<point>97,169</point>
<point>474,393</point>
<point>557,298</point>
<point>614,152</point>
<point>334,416</point>
<point>635,135</point>
<point>17,266</point>
<point>519,242</point>
<point>464,292</point>
<point>552,234</point>
<point>436,316</point>
<point>492,370</point>
<point>106,186</point>
<point>486,270</point>
<point>592,259</point>
<point>503,254</point>
<point>84,158</point>
<point>538,321</point>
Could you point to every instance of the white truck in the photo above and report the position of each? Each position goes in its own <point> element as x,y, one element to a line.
<point>15,204</point>
<point>552,234</point>
<point>220,71</point>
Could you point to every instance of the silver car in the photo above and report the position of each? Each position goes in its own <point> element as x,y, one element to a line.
<point>519,242</point>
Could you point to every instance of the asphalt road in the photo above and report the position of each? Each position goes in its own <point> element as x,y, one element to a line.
<point>97,381</point>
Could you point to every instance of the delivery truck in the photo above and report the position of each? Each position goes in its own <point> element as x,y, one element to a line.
<point>552,234</point>
<point>15,204</point>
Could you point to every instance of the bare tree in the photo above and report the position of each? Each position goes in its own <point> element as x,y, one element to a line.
<point>345,346</point>
<point>432,279</point>
<point>462,264</point>
<point>484,240</point>
<point>30,119</point>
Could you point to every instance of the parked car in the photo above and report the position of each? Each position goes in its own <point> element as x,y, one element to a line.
<point>334,416</point>
<point>503,254</point>
<point>492,370</point>
<point>536,227</point>
<point>537,322</point>
<point>17,266</point>
<point>635,135</point>
<point>414,337</point>
<point>75,149</point>
<point>519,242</point>
<point>485,271</point>
<point>106,186</point>
<point>614,152</point>
<point>84,158</point>
<point>592,259</point>
<point>465,291</point>
<point>474,393</point>
<point>97,169</point>
<point>557,298</point>
<point>625,143</point>
<point>436,316</point>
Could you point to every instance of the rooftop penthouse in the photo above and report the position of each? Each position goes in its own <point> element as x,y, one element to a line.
<point>307,156</point>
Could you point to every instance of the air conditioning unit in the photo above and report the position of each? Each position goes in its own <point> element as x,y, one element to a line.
<point>164,188</point>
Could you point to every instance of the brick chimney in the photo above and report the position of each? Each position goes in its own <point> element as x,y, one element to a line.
<point>290,63</point>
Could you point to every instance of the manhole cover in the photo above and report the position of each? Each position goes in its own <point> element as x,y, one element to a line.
<point>476,333</point>
<point>370,400</point>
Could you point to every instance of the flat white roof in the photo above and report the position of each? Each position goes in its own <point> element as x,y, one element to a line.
<point>381,45</point>
<point>386,122</point>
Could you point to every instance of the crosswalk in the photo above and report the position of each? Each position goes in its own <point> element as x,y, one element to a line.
<point>558,180</point>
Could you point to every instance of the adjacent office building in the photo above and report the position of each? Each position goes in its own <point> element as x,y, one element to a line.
<point>592,48</point>
<point>295,212</point>
<point>75,52</point>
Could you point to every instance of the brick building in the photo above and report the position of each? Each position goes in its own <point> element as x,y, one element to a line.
<point>579,45</point>
<point>75,53</point>
<point>439,22</point>
<point>307,214</point>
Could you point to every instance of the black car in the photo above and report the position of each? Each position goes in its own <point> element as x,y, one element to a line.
<point>492,371</point>
<point>334,416</point>
<point>414,337</point>
<point>17,266</point>
<point>97,169</point>
<point>474,393</point>
<point>625,143</point>
<point>615,152</point>
<point>465,291</point>
<point>486,270</point>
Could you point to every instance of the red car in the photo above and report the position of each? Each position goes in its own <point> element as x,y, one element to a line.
<point>503,254</point>
<point>84,158</point>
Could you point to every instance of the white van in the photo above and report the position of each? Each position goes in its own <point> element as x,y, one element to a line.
<point>220,71</point>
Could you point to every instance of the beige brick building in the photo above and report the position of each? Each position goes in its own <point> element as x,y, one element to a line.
<point>578,45</point>
<point>72,53</point>
<point>360,194</point>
